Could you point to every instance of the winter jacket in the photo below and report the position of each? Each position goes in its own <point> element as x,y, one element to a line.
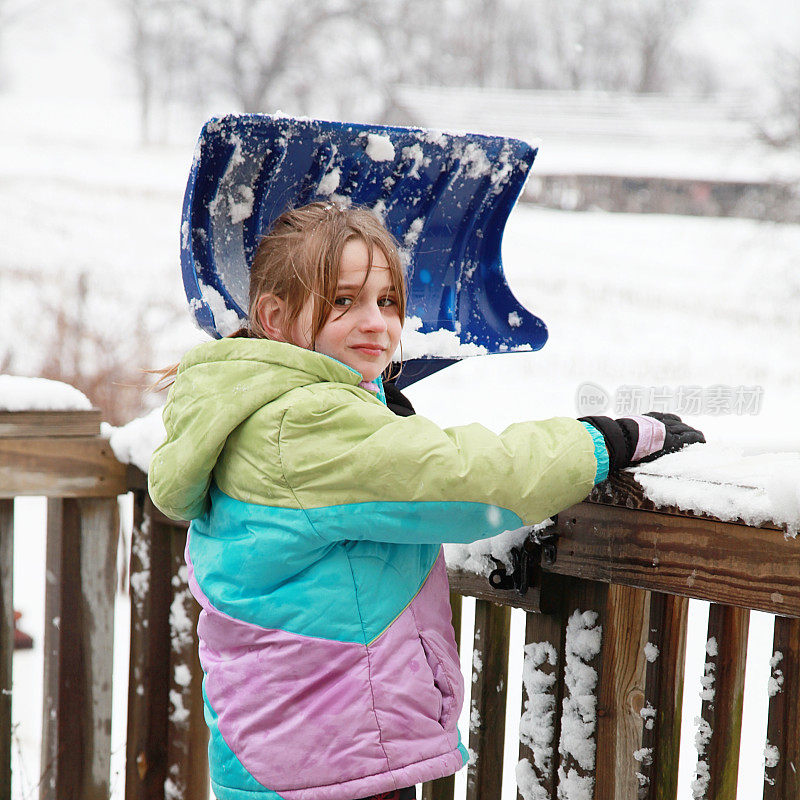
<point>331,669</point>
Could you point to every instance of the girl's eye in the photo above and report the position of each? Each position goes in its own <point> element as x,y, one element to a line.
<point>386,302</point>
<point>344,302</point>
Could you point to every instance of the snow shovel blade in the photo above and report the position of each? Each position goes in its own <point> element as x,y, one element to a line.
<point>446,197</point>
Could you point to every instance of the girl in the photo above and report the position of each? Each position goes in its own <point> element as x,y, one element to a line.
<point>317,518</point>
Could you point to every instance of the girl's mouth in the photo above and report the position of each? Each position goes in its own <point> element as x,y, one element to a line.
<point>369,349</point>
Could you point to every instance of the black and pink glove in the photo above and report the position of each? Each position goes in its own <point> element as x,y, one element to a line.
<point>631,440</point>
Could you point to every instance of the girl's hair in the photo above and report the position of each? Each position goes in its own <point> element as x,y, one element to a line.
<point>300,256</point>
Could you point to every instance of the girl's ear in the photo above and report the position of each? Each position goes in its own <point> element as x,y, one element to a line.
<point>271,311</point>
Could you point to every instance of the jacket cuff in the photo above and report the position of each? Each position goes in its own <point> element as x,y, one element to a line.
<point>600,453</point>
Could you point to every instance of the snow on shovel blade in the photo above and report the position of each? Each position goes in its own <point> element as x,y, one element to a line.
<point>446,197</point>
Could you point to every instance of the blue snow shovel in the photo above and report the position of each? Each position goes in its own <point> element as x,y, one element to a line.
<point>445,197</point>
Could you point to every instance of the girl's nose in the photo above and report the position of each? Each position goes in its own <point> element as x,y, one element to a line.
<point>372,319</point>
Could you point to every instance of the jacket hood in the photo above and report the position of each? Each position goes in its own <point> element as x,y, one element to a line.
<point>219,385</point>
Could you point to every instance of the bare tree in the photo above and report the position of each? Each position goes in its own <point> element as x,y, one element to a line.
<point>780,125</point>
<point>546,44</point>
<point>653,26</point>
<point>161,56</point>
<point>70,338</point>
<point>342,57</point>
<point>267,52</point>
<point>256,55</point>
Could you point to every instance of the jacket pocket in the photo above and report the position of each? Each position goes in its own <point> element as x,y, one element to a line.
<point>446,678</point>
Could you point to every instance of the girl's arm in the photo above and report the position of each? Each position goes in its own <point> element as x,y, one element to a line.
<point>365,474</point>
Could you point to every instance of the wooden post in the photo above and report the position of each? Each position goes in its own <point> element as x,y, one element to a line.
<point>148,682</point>
<point>664,695</point>
<point>187,752</point>
<point>580,597</point>
<point>6,641</point>
<point>79,640</point>
<point>167,735</point>
<point>546,633</point>
<point>488,701</point>
<point>444,788</point>
<point>722,712</point>
<point>782,779</point>
<point>620,696</point>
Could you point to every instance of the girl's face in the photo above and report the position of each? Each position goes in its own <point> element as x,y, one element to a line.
<point>366,337</point>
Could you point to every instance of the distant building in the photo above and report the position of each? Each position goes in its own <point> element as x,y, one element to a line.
<point>626,152</point>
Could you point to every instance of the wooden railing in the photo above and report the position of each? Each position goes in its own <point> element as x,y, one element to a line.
<point>634,566</point>
<point>62,456</point>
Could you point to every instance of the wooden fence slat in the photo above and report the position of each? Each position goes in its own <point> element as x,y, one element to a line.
<point>148,682</point>
<point>620,695</point>
<point>782,780</point>
<point>444,788</point>
<point>79,640</point>
<point>488,700</point>
<point>722,705</point>
<point>664,695</point>
<point>187,750</point>
<point>6,640</point>
<point>578,596</point>
<point>548,632</point>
